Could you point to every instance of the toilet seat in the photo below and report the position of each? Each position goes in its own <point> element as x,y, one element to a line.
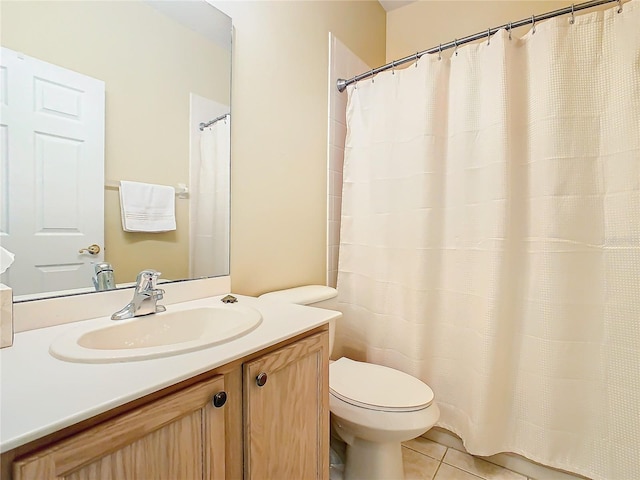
<point>376,387</point>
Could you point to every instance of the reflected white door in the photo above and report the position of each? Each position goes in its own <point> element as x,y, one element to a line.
<point>51,173</point>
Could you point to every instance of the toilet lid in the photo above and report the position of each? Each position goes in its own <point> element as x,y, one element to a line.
<point>377,387</point>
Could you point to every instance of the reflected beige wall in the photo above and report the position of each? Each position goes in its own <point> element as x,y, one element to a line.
<point>150,64</point>
<point>279,133</point>
<point>425,24</point>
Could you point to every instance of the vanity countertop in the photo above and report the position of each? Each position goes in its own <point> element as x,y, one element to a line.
<point>40,394</point>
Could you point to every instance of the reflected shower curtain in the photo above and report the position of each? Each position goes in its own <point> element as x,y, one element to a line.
<point>490,239</point>
<point>210,207</point>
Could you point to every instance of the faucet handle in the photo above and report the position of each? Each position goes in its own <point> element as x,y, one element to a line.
<point>147,279</point>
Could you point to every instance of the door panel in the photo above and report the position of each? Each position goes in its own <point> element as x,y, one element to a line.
<point>51,175</point>
<point>287,419</point>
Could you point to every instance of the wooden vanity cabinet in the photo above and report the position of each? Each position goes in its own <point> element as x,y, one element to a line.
<point>279,430</point>
<point>181,436</point>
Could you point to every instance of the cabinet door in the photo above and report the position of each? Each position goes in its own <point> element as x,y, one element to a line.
<point>180,436</point>
<point>287,418</point>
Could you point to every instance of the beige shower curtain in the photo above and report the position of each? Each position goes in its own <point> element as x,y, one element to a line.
<point>210,204</point>
<point>490,239</point>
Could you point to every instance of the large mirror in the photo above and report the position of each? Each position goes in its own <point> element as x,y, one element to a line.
<point>99,93</point>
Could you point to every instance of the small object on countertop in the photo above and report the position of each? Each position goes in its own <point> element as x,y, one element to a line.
<point>229,299</point>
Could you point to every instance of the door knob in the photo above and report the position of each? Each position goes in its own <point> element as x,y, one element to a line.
<point>92,249</point>
<point>261,379</point>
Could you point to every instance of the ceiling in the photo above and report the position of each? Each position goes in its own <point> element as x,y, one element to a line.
<point>389,5</point>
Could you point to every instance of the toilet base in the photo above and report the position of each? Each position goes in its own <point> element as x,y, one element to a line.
<point>373,461</point>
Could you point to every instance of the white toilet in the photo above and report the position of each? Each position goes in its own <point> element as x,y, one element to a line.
<point>373,408</point>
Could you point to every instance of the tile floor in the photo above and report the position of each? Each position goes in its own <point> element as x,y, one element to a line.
<point>427,460</point>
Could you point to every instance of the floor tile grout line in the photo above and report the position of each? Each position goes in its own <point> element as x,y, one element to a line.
<point>441,461</point>
<point>436,472</point>
<point>439,464</point>
<point>426,454</point>
<point>524,477</point>
<point>463,469</point>
<point>454,467</point>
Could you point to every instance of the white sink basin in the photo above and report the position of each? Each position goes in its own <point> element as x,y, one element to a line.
<point>157,335</point>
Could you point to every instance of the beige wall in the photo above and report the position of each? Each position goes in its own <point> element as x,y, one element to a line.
<point>425,24</point>
<point>279,133</point>
<point>149,63</point>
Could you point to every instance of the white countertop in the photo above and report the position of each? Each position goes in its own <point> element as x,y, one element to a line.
<point>40,394</point>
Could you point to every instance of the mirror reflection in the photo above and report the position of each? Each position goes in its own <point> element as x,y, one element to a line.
<point>115,143</point>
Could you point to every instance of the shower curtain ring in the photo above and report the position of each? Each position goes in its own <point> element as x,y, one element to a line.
<point>510,26</point>
<point>572,20</point>
<point>488,36</point>
<point>455,50</point>
<point>533,21</point>
<point>393,67</point>
<point>373,80</point>
<point>417,58</point>
<point>440,52</point>
<point>619,6</point>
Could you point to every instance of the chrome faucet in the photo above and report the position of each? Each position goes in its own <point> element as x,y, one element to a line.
<point>103,279</point>
<point>145,297</point>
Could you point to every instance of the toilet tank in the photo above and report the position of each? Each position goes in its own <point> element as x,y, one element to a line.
<point>319,296</point>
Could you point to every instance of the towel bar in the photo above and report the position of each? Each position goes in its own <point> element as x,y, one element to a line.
<point>182,191</point>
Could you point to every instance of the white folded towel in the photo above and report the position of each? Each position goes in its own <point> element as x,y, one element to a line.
<point>146,207</point>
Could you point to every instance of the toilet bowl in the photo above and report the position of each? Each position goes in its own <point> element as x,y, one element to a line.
<point>373,408</point>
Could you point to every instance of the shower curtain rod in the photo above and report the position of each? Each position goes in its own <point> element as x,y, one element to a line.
<point>204,125</point>
<point>342,84</point>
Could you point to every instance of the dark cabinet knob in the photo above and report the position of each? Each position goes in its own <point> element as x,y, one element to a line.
<point>219,399</point>
<point>261,379</point>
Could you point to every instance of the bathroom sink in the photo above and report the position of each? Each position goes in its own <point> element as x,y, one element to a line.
<point>157,335</point>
